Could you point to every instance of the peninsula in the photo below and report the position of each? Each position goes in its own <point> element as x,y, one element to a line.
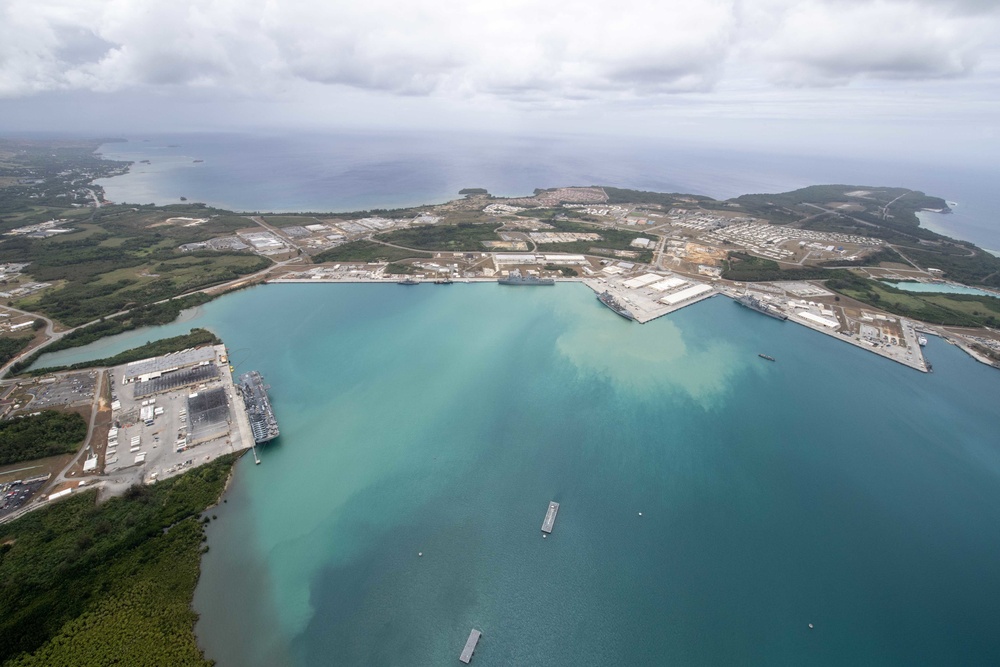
<point>832,257</point>
<point>75,268</point>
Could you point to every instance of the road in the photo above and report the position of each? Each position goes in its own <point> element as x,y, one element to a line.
<point>851,217</point>
<point>98,389</point>
<point>36,501</point>
<point>885,209</point>
<point>53,335</point>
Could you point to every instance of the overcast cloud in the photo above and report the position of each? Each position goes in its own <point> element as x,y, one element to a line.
<point>689,57</point>
<point>503,49</point>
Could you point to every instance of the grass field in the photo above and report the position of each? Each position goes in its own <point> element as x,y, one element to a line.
<point>290,220</point>
<point>464,236</point>
<point>366,251</point>
<point>950,309</point>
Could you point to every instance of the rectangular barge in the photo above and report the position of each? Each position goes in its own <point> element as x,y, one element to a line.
<point>550,517</point>
<point>470,646</point>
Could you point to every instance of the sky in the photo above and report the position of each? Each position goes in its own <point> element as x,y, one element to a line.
<point>881,75</point>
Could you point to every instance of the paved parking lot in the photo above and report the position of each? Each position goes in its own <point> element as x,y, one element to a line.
<point>69,390</point>
<point>18,493</point>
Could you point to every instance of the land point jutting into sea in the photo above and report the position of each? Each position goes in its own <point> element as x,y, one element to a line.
<point>492,361</point>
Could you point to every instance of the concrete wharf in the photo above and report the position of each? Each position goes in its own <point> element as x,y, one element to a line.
<point>550,517</point>
<point>470,646</point>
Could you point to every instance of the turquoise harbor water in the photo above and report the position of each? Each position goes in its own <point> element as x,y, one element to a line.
<point>938,288</point>
<point>831,487</point>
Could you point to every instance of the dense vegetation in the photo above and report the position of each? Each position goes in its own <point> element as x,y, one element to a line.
<point>567,271</point>
<point>144,316</point>
<point>366,251</point>
<point>196,338</point>
<point>473,191</point>
<point>965,310</point>
<point>9,347</point>
<point>905,204</point>
<point>37,436</point>
<point>86,585</point>
<point>667,200</point>
<point>101,279</point>
<point>964,263</point>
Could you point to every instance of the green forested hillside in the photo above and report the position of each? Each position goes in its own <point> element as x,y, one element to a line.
<point>37,436</point>
<point>87,585</point>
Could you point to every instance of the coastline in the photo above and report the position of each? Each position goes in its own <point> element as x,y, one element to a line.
<point>917,364</point>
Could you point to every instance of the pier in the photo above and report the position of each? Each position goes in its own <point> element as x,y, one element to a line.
<point>550,517</point>
<point>470,646</point>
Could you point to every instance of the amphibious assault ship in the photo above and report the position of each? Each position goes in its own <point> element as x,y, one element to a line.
<point>262,420</point>
<point>516,278</point>
<point>753,303</point>
<point>609,300</point>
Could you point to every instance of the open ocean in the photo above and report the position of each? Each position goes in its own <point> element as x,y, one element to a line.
<point>831,487</point>
<point>344,172</point>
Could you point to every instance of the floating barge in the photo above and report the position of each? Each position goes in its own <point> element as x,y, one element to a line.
<point>263,423</point>
<point>609,300</point>
<point>550,517</point>
<point>753,303</point>
<point>517,278</point>
<point>470,646</point>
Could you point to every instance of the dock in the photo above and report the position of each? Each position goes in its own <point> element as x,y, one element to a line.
<point>550,517</point>
<point>470,646</point>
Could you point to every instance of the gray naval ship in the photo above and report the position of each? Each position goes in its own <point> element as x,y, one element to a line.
<point>515,277</point>
<point>753,303</point>
<point>262,420</point>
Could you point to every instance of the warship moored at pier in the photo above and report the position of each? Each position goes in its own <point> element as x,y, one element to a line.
<point>753,303</point>
<point>263,423</point>
<point>609,300</point>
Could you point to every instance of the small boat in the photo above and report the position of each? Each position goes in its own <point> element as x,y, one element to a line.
<point>409,281</point>
<point>766,356</point>
<point>443,281</point>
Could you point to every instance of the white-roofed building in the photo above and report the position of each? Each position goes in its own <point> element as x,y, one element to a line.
<point>642,281</point>
<point>668,284</point>
<point>503,258</point>
<point>819,319</point>
<point>685,294</point>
